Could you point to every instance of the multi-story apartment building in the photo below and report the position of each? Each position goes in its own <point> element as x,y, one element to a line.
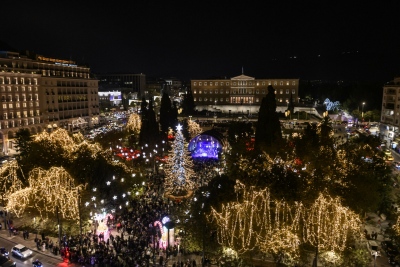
<point>242,94</point>
<point>390,115</point>
<point>41,93</point>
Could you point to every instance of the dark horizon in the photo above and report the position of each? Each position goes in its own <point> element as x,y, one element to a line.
<point>308,41</point>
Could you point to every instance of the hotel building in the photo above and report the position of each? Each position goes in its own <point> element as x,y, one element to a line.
<point>41,93</point>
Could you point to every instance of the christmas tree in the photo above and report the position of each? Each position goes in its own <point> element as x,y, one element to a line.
<point>179,167</point>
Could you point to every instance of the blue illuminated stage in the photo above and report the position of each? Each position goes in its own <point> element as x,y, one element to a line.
<point>205,146</point>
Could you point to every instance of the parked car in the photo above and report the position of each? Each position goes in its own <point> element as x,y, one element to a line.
<point>21,251</point>
<point>6,262</point>
<point>373,248</point>
<point>4,252</point>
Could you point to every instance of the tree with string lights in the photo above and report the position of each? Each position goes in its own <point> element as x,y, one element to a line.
<point>179,179</point>
<point>134,124</point>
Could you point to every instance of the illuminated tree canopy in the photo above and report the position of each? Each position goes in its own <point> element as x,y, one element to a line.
<point>48,191</point>
<point>257,222</point>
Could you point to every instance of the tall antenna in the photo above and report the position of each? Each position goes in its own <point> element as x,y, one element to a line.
<point>242,70</point>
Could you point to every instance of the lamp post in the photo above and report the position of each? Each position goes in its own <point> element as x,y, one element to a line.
<point>362,111</point>
<point>287,114</point>
<point>375,253</point>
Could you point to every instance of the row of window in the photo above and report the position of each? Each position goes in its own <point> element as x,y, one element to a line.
<point>21,80</point>
<point>17,105</point>
<point>10,115</point>
<point>18,123</point>
<point>16,89</point>
<point>16,98</point>
<point>235,100</point>
<point>243,91</point>
<point>257,83</point>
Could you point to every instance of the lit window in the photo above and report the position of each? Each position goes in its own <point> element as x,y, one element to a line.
<point>227,99</point>
<point>210,83</point>
<point>275,83</point>
<point>269,83</point>
<point>205,83</point>
<point>194,91</point>
<point>194,98</point>
<point>257,100</point>
<point>287,91</point>
<point>227,83</point>
<point>216,91</point>
<point>227,91</point>
<point>287,83</point>
<point>257,91</point>
<point>199,83</point>
<point>205,99</point>
<point>281,91</point>
<point>199,98</point>
<point>293,83</point>
<point>293,91</point>
<point>195,83</point>
<point>281,83</point>
<point>263,83</point>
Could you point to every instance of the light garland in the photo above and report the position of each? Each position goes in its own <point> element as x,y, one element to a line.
<point>48,191</point>
<point>194,129</point>
<point>134,123</point>
<point>254,220</point>
<point>9,181</point>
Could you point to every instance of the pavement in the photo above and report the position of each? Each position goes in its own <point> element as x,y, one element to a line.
<point>30,243</point>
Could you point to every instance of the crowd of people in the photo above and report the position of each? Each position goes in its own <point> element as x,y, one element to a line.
<point>133,237</point>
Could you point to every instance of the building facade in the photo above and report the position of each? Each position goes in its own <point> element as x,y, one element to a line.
<point>390,115</point>
<point>242,94</point>
<point>127,83</point>
<point>41,93</point>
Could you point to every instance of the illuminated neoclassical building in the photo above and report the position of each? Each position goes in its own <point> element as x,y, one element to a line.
<point>242,94</point>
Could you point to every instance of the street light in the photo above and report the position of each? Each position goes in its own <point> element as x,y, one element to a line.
<point>362,111</point>
<point>375,253</point>
<point>287,113</point>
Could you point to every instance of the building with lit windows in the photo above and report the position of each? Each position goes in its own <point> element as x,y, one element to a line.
<point>242,94</point>
<point>390,115</point>
<point>41,93</point>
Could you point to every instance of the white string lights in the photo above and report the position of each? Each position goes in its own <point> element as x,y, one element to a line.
<point>255,221</point>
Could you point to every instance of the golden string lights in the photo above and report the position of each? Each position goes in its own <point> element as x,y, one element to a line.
<point>48,191</point>
<point>134,123</point>
<point>9,181</point>
<point>254,220</point>
<point>194,128</point>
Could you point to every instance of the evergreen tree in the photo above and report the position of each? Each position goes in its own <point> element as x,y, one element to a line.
<point>268,130</point>
<point>173,118</point>
<point>179,168</point>
<point>165,110</point>
<point>154,132</point>
<point>188,104</point>
<point>144,130</point>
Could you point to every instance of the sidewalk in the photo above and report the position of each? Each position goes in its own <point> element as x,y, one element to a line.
<point>29,243</point>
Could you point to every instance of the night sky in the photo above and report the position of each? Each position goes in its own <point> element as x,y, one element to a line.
<point>204,39</point>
